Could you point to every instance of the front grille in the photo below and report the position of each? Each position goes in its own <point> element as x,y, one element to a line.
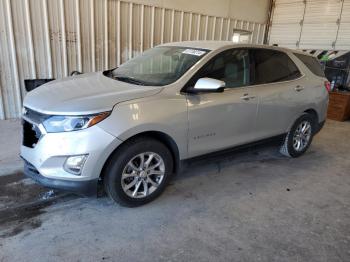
<point>31,134</point>
<point>31,131</point>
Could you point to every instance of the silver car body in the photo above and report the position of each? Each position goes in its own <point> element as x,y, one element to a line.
<point>195,124</point>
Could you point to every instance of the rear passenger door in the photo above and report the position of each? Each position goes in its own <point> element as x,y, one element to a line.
<point>276,83</point>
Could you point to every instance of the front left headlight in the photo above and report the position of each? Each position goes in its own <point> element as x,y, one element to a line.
<point>55,124</point>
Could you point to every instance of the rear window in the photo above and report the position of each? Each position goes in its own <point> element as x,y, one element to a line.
<point>311,63</point>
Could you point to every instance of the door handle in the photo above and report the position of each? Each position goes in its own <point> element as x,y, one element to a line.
<point>298,88</point>
<point>247,97</point>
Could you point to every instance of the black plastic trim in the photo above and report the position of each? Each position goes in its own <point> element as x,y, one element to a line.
<point>319,127</point>
<point>272,141</point>
<point>87,188</point>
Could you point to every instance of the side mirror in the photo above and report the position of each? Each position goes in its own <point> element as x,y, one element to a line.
<point>208,85</point>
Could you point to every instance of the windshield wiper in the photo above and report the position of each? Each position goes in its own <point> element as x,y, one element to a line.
<point>130,80</point>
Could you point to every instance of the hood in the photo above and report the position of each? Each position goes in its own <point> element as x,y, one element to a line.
<point>84,94</point>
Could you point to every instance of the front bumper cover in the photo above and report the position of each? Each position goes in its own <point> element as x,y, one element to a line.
<point>88,187</point>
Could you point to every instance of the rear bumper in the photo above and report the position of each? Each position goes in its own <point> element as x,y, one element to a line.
<point>88,187</point>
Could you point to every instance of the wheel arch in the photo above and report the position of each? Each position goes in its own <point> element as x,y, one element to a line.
<point>312,112</point>
<point>309,111</point>
<point>167,140</point>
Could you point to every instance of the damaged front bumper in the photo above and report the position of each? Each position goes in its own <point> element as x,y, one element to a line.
<point>88,188</point>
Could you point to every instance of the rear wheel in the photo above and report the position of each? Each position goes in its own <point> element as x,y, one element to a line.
<point>138,172</point>
<point>299,138</point>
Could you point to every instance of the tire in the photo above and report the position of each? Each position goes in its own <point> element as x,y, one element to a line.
<point>123,170</point>
<point>289,147</point>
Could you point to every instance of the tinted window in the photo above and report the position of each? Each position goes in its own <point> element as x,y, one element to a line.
<point>272,66</point>
<point>230,66</point>
<point>341,62</point>
<point>311,63</point>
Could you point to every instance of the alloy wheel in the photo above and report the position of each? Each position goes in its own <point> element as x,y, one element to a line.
<point>143,174</point>
<point>302,136</point>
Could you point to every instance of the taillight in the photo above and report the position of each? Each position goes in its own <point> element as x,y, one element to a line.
<point>327,85</point>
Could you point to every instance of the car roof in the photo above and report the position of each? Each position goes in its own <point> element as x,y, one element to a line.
<point>214,45</point>
<point>210,45</point>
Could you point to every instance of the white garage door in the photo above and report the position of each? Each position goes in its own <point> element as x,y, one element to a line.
<point>311,24</point>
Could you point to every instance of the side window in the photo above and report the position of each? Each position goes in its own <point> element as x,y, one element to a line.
<point>272,66</point>
<point>231,66</point>
<point>311,63</point>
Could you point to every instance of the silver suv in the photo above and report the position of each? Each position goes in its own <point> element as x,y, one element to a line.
<point>131,127</point>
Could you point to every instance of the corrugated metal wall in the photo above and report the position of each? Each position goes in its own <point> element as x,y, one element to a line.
<point>311,24</point>
<point>51,38</point>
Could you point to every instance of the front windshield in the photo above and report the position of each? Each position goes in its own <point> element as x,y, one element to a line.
<point>158,66</point>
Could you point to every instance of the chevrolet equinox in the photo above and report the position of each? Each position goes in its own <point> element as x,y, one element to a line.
<point>131,127</point>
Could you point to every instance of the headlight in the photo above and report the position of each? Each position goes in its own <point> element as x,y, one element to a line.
<point>55,124</point>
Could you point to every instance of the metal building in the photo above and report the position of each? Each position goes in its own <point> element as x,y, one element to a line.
<point>311,24</point>
<point>49,39</point>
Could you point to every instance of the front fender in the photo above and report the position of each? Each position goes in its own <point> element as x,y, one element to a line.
<point>167,115</point>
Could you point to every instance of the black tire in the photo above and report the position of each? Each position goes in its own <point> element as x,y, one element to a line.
<point>287,148</point>
<point>112,176</point>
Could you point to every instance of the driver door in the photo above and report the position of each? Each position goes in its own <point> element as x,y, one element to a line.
<point>222,120</point>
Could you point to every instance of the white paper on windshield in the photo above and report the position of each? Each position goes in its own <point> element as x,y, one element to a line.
<point>194,52</point>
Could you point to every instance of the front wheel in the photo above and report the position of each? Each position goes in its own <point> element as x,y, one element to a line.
<point>299,138</point>
<point>138,172</point>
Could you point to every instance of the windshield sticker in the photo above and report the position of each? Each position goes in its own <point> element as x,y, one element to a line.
<point>194,52</point>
